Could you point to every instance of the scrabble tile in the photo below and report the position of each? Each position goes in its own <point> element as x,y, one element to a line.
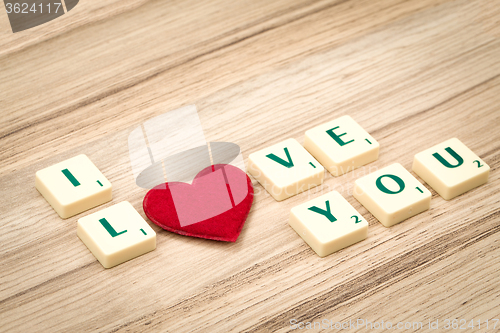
<point>73,186</point>
<point>451,168</point>
<point>392,194</point>
<point>328,223</point>
<point>116,234</point>
<point>341,145</point>
<point>285,169</point>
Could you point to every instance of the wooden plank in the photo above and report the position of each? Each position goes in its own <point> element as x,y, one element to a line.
<point>113,83</point>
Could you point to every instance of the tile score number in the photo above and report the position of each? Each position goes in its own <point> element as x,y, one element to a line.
<point>22,8</point>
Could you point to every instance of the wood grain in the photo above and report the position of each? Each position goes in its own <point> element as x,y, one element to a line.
<point>413,73</point>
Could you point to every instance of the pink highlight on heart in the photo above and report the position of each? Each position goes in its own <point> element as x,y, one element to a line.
<point>206,197</point>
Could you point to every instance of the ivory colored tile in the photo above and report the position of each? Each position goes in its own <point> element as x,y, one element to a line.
<point>328,223</point>
<point>451,168</point>
<point>392,194</point>
<point>116,234</point>
<point>341,145</point>
<point>285,169</point>
<point>73,186</point>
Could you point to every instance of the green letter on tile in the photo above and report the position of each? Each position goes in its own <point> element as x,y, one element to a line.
<point>281,161</point>
<point>70,177</point>
<point>384,189</point>
<point>327,213</point>
<point>444,162</point>
<point>110,229</point>
<point>337,137</point>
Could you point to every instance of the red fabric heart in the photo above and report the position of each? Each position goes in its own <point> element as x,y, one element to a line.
<point>215,206</point>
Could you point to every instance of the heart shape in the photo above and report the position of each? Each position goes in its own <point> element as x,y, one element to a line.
<point>215,206</point>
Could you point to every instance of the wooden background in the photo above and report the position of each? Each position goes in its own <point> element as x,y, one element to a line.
<point>413,73</point>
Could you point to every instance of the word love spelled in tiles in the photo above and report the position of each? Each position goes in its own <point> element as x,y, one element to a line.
<point>327,223</point>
